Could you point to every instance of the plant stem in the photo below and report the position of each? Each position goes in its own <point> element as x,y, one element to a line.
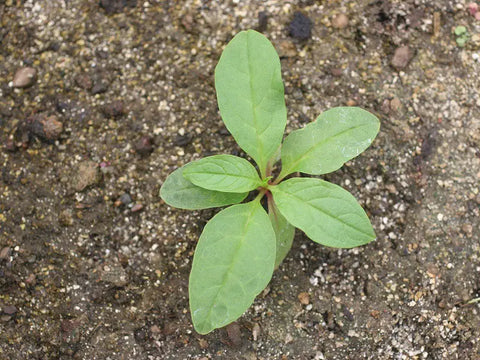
<point>263,174</point>
<point>271,204</point>
<point>260,194</point>
<point>268,172</point>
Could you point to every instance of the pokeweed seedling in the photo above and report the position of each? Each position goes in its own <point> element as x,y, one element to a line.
<point>241,245</point>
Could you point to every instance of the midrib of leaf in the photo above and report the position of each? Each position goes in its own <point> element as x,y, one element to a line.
<point>259,144</point>
<point>328,214</point>
<point>227,175</point>
<point>223,174</point>
<point>189,189</point>
<point>314,147</point>
<point>227,273</point>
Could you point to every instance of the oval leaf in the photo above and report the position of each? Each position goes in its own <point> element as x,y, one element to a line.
<point>233,263</point>
<point>250,95</point>
<point>223,173</point>
<point>338,135</point>
<point>178,192</point>
<point>327,213</point>
<point>284,232</point>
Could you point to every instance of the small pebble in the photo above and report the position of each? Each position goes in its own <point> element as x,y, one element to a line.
<point>9,309</point>
<point>300,27</point>
<point>100,86</point>
<point>395,104</point>
<point>24,77</point>
<point>386,106</point>
<point>340,21</point>
<point>114,109</point>
<point>287,49</point>
<point>234,333</point>
<point>86,174</point>
<point>5,253</point>
<point>183,140</point>
<point>255,331</point>
<point>84,81</point>
<point>126,199</point>
<point>336,71</point>
<point>467,229</point>
<point>137,208</point>
<point>155,329</point>
<point>144,145</point>
<point>52,128</point>
<point>402,57</point>
<point>188,23</point>
<point>41,126</point>
<point>304,298</point>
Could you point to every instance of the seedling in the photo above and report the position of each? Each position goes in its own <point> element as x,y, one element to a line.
<point>241,245</point>
<point>462,35</point>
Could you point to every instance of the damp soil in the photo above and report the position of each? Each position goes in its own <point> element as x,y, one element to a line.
<point>93,265</point>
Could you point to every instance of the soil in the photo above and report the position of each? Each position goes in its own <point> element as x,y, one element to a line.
<point>93,265</point>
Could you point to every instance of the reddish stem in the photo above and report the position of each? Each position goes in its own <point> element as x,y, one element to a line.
<point>271,205</point>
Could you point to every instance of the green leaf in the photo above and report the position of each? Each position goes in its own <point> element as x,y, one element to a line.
<point>178,192</point>
<point>223,173</point>
<point>460,30</point>
<point>338,135</point>
<point>284,232</point>
<point>461,41</point>
<point>233,263</point>
<point>327,213</point>
<point>250,95</point>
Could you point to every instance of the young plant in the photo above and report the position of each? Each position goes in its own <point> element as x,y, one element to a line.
<point>241,245</point>
<point>462,35</point>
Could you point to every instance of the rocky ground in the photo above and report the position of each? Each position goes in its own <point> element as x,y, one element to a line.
<point>101,100</point>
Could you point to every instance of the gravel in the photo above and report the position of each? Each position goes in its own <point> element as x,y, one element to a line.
<point>24,77</point>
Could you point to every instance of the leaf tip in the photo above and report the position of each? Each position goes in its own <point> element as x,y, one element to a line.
<point>202,329</point>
